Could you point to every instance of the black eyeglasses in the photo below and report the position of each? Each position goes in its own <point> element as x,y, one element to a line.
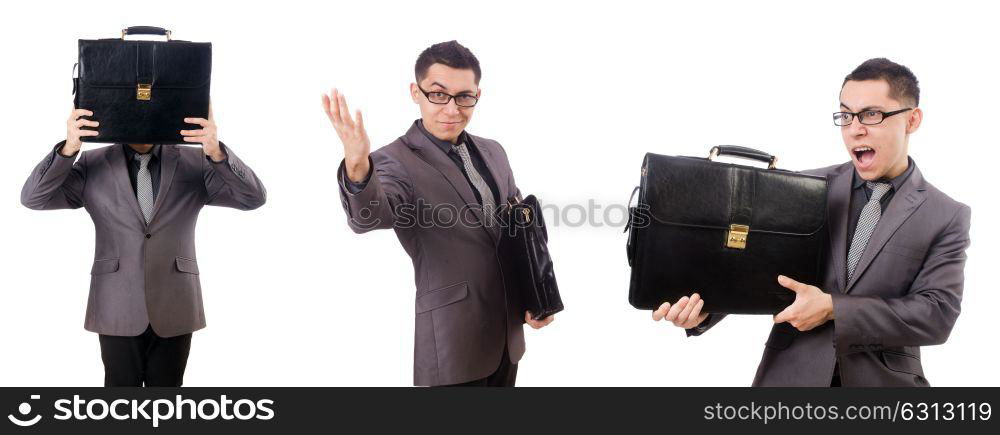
<point>867,117</point>
<point>461,100</point>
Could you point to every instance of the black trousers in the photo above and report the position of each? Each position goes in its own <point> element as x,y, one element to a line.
<point>504,376</point>
<point>147,359</point>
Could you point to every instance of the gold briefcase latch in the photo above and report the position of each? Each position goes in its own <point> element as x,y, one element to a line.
<point>737,236</point>
<point>143,92</point>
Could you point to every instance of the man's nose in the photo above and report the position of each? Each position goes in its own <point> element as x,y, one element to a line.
<point>857,128</point>
<point>451,107</point>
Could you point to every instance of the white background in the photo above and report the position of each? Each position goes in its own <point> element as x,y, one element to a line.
<point>577,93</point>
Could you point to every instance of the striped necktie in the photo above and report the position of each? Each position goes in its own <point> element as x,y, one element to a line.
<point>144,186</point>
<point>870,215</point>
<point>477,181</point>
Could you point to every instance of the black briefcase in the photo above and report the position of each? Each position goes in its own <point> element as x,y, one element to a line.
<point>525,260</point>
<point>141,91</point>
<point>724,231</point>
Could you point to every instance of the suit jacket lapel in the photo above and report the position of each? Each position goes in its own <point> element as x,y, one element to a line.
<point>119,171</point>
<point>168,165</point>
<point>429,153</point>
<point>902,205</point>
<point>838,207</point>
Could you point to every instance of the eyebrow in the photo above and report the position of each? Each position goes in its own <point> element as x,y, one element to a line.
<point>466,92</point>
<point>875,107</point>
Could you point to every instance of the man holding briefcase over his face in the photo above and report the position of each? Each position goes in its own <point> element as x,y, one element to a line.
<point>894,274</point>
<point>145,296</point>
<point>468,330</point>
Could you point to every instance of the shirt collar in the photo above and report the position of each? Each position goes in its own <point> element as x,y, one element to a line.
<point>443,144</point>
<point>130,153</point>
<point>897,183</point>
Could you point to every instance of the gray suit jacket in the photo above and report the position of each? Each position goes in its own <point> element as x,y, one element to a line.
<point>464,317</point>
<point>143,274</point>
<point>906,292</point>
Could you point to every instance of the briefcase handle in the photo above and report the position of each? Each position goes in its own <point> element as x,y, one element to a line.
<point>145,30</point>
<point>744,152</point>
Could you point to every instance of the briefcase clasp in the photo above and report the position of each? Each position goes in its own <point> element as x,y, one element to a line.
<point>143,92</point>
<point>737,236</point>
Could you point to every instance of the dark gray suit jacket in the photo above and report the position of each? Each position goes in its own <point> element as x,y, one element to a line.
<point>143,274</point>
<point>464,317</point>
<point>906,293</point>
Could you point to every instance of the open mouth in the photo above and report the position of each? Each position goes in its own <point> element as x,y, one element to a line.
<point>864,156</point>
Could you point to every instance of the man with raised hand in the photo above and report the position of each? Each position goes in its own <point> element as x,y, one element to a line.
<point>468,328</point>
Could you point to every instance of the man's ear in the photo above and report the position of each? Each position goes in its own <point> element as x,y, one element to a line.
<point>479,93</point>
<point>913,122</point>
<point>415,93</point>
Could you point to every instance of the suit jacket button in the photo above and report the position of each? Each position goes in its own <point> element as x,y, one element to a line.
<point>149,236</point>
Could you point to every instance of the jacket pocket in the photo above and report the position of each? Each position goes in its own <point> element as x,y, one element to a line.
<point>440,297</point>
<point>187,265</point>
<point>902,362</point>
<point>104,266</point>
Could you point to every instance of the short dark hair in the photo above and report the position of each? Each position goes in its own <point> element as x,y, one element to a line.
<point>449,53</point>
<point>903,85</point>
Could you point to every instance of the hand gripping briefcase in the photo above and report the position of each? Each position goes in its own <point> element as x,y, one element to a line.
<point>524,258</point>
<point>724,231</point>
<point>141,91</point>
